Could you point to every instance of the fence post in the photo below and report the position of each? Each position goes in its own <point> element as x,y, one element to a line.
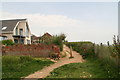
<point>101,44</point>
<point>108,43</point>
<point>94,49</point>
<point>71,51</point>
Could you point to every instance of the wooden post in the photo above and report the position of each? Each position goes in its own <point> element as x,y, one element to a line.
<point>101,44</point>
<point>71,51</point>
<point>108,43</point>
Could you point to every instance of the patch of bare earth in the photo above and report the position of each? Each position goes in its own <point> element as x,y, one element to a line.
<point>66,60</point>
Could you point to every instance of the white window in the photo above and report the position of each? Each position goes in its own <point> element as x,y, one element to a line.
<point>28,41</point>
<point>27,32</point>
<point>3,38</point>
<point>21,32</point>
<point>16,31</point>
<point>4,28</point>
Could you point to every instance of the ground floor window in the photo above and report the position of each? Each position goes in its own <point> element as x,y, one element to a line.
<point>3,38</point>
<point>22,41</point>
<point>28,41</point>
<point>16,41</point>
<point>19,41</point>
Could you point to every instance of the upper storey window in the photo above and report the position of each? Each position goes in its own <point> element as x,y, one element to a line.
<point>27,32</point>
<point>16,31</point>
<point>21,32</point>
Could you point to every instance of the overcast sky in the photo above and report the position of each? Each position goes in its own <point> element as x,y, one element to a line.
<point>80,21</point>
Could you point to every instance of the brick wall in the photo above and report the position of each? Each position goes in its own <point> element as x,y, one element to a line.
<point>36,50</point>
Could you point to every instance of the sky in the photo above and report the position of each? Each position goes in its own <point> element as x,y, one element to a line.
<point>80,21</point>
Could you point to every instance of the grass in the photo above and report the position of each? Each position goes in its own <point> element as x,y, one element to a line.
<point>20,66</point>
<point>91,68</point>
<point>104,54</point>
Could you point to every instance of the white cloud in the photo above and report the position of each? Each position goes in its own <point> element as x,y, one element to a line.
<point>75,29</point>
<point>44,20</point>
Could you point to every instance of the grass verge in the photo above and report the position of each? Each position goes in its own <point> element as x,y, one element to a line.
<point>19,66</point>
<point>91,68</point>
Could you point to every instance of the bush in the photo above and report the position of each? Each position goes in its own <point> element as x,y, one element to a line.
<point>56,40</point>
<point>86,49</point>
<point>7,42</point>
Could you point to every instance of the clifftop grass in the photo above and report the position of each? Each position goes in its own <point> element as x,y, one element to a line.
<point>91,68</point>
<point>20,66</point>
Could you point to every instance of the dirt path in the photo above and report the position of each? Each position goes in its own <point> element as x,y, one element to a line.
<point>46,71</point>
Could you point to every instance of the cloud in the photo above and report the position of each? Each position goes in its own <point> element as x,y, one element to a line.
<point>44,20</point>
<point>76,30</point>
<point>40,22</point>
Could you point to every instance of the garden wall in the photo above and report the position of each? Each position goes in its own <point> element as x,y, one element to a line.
<point>36,50</point>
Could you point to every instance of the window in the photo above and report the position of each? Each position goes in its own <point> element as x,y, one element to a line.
<point>28,41</point>
<point>16,31</point>
<point>3,38</point>
<point>27,32</point>
<point>22,41</point>
<point>4,28</point>
<point>21,32</point>
<point>15,40</point>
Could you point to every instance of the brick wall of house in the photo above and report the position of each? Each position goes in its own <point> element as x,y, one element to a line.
<point>36,50</point>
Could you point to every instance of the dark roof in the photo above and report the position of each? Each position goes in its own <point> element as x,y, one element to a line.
<point>34,37</point>
<point>47,34</point>
<point>10,24</point>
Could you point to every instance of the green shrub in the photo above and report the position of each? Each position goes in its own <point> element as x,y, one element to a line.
<point>86,49</point>
<point>7,42</point>
<point>57,40</point>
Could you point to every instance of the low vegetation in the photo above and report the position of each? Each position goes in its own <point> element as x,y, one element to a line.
<point>56,40</point>
<point>106,54</point>
<point>20,66</point>
<point>91,68</point>
<point>7,42</point>
<point>86,49</point>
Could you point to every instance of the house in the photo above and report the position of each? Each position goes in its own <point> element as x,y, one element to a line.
<point>17,30</point>
<point>41,39</point>
<point>46,37</point>
<point>34,39</point>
